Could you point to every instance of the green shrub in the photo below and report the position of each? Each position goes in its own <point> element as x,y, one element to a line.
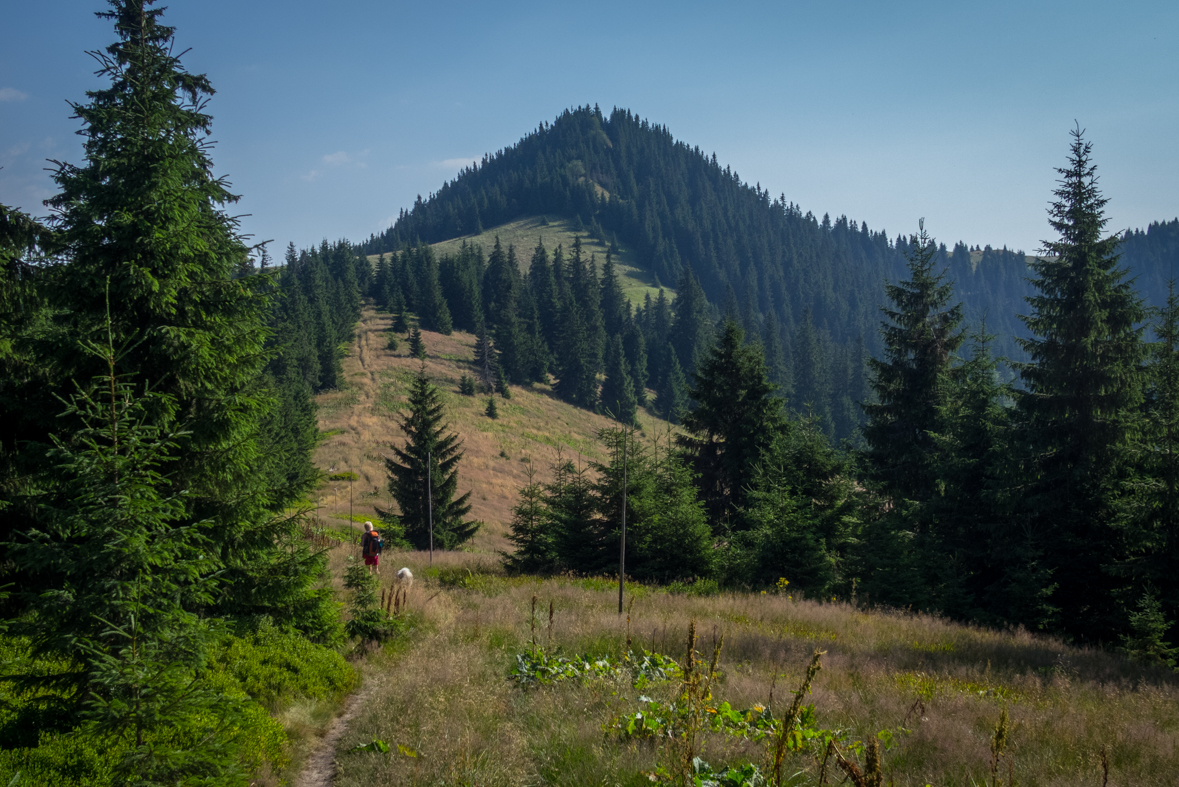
<point>699,587</point>
<point>270,664</point>
<point>258,667</point>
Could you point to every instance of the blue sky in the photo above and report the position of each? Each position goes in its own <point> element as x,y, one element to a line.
<point>330,118</point>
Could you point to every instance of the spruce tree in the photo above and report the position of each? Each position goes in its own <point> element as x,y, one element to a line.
<point>501,384</point>
<point>671,399</point>
<point>691,333</point>
<point>397,306</point>
<point>972,526</point>
<point>143,223</point>
<point>634,346</point>
<point>417,347</point>
<point>813,391</point>
<point>614,305</point>
<point>920,338</point>
<point>618,391</point>
<point>734,423</point>
<point>531,531</point>
<point>485,360</point>
<point>492,410</point>
<point>429,450</point>
<point>544,292</point>
<point>126,566</point>
<point>1082,390</point>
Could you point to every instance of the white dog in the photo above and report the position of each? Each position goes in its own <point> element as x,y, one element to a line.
<point>405,577</point>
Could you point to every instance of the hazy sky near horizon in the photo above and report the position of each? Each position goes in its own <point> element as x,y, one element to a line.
<point>330,118</point>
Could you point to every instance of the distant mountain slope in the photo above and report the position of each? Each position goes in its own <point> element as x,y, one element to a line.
<point>756,256</point>
<point>524,233</point>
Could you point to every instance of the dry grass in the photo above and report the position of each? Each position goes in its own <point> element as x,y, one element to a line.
<point>445,695</point>
<point>532,425</point>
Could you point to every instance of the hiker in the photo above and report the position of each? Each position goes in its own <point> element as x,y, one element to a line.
<point>370,546</point>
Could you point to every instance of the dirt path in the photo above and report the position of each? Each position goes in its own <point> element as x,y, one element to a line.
<point>320,769</point>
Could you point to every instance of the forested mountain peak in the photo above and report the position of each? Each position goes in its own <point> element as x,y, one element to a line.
<point>817,283</point>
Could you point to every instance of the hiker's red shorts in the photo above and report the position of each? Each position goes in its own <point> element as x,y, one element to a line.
<point>372,560</point>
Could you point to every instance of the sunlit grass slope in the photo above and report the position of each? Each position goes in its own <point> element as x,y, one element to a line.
<point>936,690</point>
<point>524,234</point>
<point>358,426</point>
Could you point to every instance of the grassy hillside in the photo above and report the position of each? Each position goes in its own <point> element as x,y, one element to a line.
<point>525,232</point>
<point>932,693</point>
<point>358,424</point>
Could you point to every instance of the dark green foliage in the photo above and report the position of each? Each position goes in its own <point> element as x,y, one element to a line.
<point>671,399</point>
<point>1150,510</point>
<point>491,411</point>
<point>691,334</point>
<point>392,343</point>
<point>634,347</point>
<point>429,302</point>
<point>1148,626</point>
<point>579,536</point>
<point>813,390</point>
<point>531,531</point>
<point>501,384</point>
<point>366,620</point>
<point>920,338</point>
<point>466,385</point>
<point>544,291</point>
<point>417,347</point>
<point>400,325</point>
<point>155,504</point>
<point>800,519</point>
<point>574,523</point>
<point>120,570</point>
<point>1084,388</point>
<point>618,391</point>
<point>460,278</point>
<point>778,370</point>
<point>428,451</point>
<point>733,425</point>
<point>969,524</point>
<point>668,536</point>
<point>485,362</point>
<point>577,358</point>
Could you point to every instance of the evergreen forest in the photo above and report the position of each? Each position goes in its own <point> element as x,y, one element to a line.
<point>978,434</point>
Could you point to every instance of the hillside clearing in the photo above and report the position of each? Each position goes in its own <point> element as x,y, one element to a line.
<point>359,425</point>
<point>523,233</point>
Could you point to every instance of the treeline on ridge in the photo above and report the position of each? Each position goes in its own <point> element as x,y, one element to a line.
<point>809,286</point>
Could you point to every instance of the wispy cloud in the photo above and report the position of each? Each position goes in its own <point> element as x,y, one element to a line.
<point>11,94</point>
<point>339,159</point>
<point>456,163</point>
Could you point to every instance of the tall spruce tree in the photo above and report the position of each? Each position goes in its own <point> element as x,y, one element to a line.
<point>733,425</point>
<point>143,222</point>
<point>1082,390</point>
<point>428,461</point>
<point>920,337</point>
<point>531,529</point>
<point>618,391</point>
<point>1152,512</point>
<point>671,399</point>
<point>691,332</point>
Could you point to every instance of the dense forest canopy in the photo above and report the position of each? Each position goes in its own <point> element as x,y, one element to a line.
<point>817,284</point>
